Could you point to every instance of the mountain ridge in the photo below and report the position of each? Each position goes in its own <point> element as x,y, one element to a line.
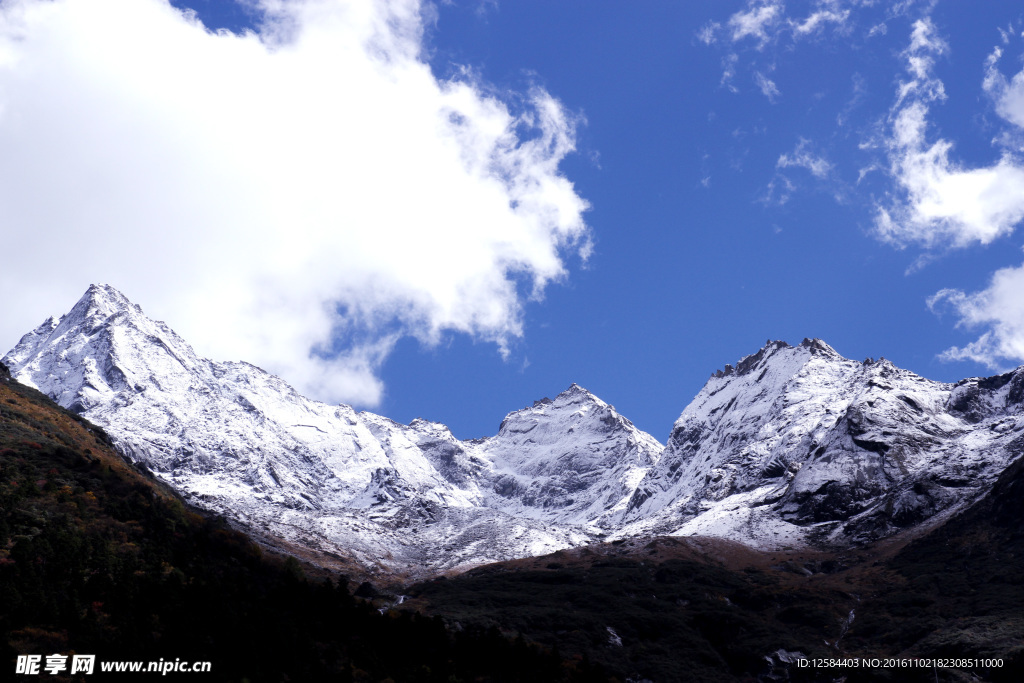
<point>845,450</point>
<point>240,442</point>
<point>793,446</point>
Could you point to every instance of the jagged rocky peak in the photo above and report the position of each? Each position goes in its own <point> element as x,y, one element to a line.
<point>575,395</point>
<point>99,305</point>
<point>808,347</point>
<point>745,364</point>
<point>817,346</point>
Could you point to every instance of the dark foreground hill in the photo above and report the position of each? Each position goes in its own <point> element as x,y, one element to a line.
<point>96,558</point>
<point>700,609</point>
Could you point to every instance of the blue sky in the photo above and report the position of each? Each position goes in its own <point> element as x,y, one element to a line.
<point>707,243</point>
<point>720,174</point>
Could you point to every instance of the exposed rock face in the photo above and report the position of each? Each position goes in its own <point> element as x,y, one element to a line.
<point>792,446</point>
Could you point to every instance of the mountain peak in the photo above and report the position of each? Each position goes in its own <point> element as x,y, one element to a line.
<point>240,442</point>
<point>817,346</point>
<point>101,290</point>
<point>747,363</point>
<point>101,301</point>
<point>576,390</point>
<point>574,394</point>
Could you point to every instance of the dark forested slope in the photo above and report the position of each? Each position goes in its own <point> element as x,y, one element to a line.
<point>96,558</point>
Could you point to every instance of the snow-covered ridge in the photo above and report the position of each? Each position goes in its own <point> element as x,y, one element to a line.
<point>792,446</point>
<point>241,442</point>
<point>798,445</point>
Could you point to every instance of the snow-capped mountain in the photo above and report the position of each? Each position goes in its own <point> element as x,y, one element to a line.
<point>798,445</point>
<point>794,446</point>
<point>240,442</point>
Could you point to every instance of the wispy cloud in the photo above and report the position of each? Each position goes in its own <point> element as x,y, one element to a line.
<point>803,157</point>
<point>767,86</point>
<point>765,21</point>
<point>780,190</point>
<point>708,33</point>
<point>729,71</point>
<point>300,197</point>
<point>758,21</point>
<point>781,187</point>
<point>827,13</point>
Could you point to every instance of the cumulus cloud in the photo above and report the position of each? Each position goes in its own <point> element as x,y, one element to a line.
<point>299,197</point>
<point>938,201</point>
<point>1000,307</point>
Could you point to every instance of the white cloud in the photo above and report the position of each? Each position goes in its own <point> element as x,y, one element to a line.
<point>767,86</point>
<point>708,33</point>
<point>940,202</point>
<point>729,72</point>
<point>937,200</point>
<point>764,21</point>
<point>1008,94</point>
<point>1000,307</point>
<point>759,19</point>
<point>299,198</point>
<point>803,157</point>
<point>878,30</point>
<point>829,13</point>
<point>780,190</point>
